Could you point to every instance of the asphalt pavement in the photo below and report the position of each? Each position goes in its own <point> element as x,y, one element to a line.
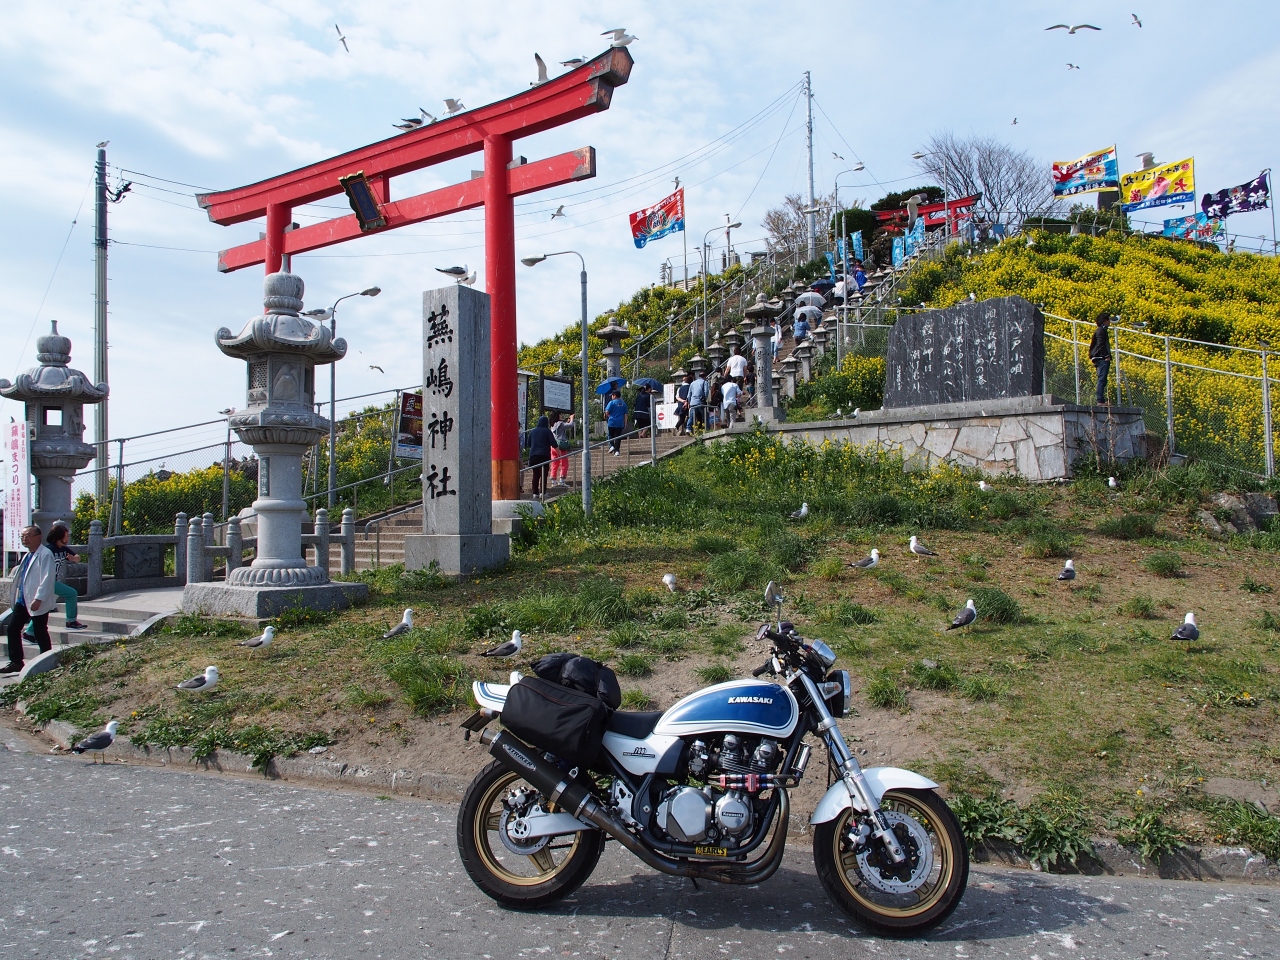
<point>129,861</point>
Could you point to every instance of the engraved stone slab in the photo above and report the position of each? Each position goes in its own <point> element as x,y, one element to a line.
<point>139,560</point>
<point>973,351</point>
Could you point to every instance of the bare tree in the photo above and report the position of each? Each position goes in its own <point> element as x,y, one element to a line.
<point>788,224</point>
<point>1014,185</point>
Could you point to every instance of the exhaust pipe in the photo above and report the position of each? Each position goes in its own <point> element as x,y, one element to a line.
<point>575,798</point>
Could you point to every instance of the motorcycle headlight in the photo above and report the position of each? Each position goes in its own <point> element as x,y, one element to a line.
<point>841,687</point>
<point>823,653</point>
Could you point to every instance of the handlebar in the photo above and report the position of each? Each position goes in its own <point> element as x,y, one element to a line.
<point>766,667</point>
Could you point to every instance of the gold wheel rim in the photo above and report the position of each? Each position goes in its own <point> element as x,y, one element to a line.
<point>928,895</point>
<point>486,823</point>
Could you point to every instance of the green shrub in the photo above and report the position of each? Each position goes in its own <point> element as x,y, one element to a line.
<point>1164,563</point>
<point>636,700</point>
<point>996,606</point>
<point>1241,823</point>
<point>362,699</point>
<point>1141,607</point>
<point>983,689</point>
<point>828,568</point>
<point>712,544</point>
<point>847,614</point>
<point>985,818</point>
<point>624,636</point>
<point>934,676</point>
<point>634,665</point>
<point>1148,835</point>
<point>1252,586</point>
<point>1046,544</point>
<point>883,691</point>
<point>740,570</point>
<point>431,684</point>
<point>714,673</point>
<point>1129,526</point>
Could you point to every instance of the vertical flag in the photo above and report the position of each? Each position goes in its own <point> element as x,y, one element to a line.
<point>17,500</point>
<point>831,263</point>
<point>857,245</point>
<point>899,251</point>
<point>654,223</point>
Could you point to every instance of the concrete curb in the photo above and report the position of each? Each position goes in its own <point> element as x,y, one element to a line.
<point>1213,863</point>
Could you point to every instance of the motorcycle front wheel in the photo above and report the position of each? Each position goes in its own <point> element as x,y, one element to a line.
<point>551,868</point>
<point>895,900</point>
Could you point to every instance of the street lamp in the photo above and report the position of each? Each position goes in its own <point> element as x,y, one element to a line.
<point>848,256</point>
<point>946,175</point>
<point>586,379</point>
<point>332,316</point>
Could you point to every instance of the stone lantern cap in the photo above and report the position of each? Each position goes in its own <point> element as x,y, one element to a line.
<point>791,362</point>
<point>762,311</point>
<point>613,333</point>
<point>281,329</point>
<point>53,379</point>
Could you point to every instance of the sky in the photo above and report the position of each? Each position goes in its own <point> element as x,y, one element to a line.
<point>202,95</point>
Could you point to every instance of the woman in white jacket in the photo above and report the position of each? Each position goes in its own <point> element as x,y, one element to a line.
<point>33,598</point>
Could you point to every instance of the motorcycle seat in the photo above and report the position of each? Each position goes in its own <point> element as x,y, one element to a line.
<point>634,724</point>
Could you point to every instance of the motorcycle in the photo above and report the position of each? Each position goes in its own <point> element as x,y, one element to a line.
<point>701,791</point>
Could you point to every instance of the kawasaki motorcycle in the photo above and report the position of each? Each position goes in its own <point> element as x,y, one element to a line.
<point>700,791</point>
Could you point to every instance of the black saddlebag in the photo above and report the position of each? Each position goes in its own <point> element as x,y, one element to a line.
<point>558,719</point>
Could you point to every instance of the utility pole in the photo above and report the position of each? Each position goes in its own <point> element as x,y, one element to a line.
<point>102,487</point>
<point>813,223</point>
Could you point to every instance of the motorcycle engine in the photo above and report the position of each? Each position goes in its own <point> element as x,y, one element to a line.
<point>695,814</point>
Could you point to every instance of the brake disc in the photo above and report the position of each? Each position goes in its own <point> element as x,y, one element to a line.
<point>900,878</point>
<point>512,828</point>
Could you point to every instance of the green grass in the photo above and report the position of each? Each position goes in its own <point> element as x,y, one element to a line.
<point>634,665</point>
<point>983,689</point>
<point>883,690</point>
<point>932,675</point>
<point>363,699</point>
<point>1250,585</point>
<point>847,613</point>
<point>1164,563</point>
<point>1140,607</point>
<point>714,673</point>
<point>996,606</point>
<point>636,700</point>
<point>1129,526</point>
<point>1147,834</point>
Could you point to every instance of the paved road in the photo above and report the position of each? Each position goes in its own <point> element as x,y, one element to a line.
<point>125,861</point>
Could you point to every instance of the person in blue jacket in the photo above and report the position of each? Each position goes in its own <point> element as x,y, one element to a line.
<point>616,413</point>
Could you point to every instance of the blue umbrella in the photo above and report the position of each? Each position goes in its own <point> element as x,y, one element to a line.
<point>610,385</point>
<point>647,382</point>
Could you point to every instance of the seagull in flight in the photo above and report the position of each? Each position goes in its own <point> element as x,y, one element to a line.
<point>456,272</point>
<point>1148,159</point>
<point>542,71</point>
<point>965,617</point>
<point>374,366</point>
<point>866,563</point>
<point>919,549</point>
<point>508,649</point>
<point>559,212</point>
<point>1136,22</point>
<point>1068,571</point>
<point>836,155</point>
<point>203,682</point>
<point>620,36</point>
<point>1070,29</point>
<point>670,580</point>
<point>409,123</point>
<point>1187,631</point>
<point>454,106</point>
<point>260,642</point>
<point>426,116</point>
<point>801,513</point>
<point>1071,66</point>
<point>97,742</point>
<point>575,62</point>
<point>341,38</point>
<point>227,412</point>
<point>1015,122</point>
<point>401,628</point>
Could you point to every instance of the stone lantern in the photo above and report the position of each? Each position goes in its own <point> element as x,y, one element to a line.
<point>613,335</point>
<point>789,366</point>
<point>819,337</point>
<point>718,353</point>
<point>732,340</point>
<point>281,350</point>
<point>761,314</point>
<point>55,395</point>
<point>804,353</point>
<point>697,364</point>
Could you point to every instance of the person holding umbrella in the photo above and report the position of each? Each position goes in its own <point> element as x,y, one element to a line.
<point>615,412</point>
<point>642,416</point>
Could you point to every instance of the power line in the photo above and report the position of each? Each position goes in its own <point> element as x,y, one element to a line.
<point>770,160</point>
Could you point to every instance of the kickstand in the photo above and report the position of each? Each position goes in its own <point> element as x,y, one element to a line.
<point>694,881</point>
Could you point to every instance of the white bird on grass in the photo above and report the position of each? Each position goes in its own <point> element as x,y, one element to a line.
<point>1070,29</point>
<point>261,641</point>
<point>1068,571</point>
<point>801,513</point>
<point>670,580</point>
<point>403,627</point>
<point>1187,631</point>
<point>919,549</point>
<point>1113,483</point>
<point>620,36</point>
<point>542,71</point>
<point>866,563</point>
<point>97,742</point>
<point>508,649</point>
<point>201,683</point>
<point>984,486</point>
<point>965,617</point>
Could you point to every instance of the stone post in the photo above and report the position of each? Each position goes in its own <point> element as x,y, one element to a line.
<point>777,386</point>
<point>804,353</point>
<point>717,353</point>
<point>789,366</point>
<point>613,335</point>
<point>457,497</point>
<point>819,337</point>
<point>195,552</point>
<point>180,548</point>
<point>348,542</point>
<point>732,340</point>
<point>761,314</point>
<point>207,529</point>
<point>55,396</point>
<point>235,545</point>
<point>697,364</point>
<point>95,558</point>
<point>322,538</point>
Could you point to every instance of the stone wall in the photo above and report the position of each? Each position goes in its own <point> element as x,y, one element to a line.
<point>1038,437</point>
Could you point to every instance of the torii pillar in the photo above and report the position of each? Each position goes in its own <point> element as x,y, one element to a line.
<point>364,175</point>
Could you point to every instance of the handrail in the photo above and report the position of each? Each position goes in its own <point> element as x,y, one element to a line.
<point>377,525</point>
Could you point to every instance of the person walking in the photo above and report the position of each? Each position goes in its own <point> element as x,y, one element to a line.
<point>559,457</point>
<point>642,415</point>
<point>859,276</point>
<point>777,337</point>
<point>56,541</point>
<point>731,392</point>
<point>699,394</point>
<point>33,598</point>
<point>1100,354</point>
<point>541,442</point>
<point>616,412</point>
<point>736,366</point>
<point>682,406</point>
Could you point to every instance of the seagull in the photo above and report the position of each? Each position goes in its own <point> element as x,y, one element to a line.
<point>1071,30</point>
<point>854,415</point>
<point>559,212</point>
<point>1071,66</point>
<point>1136,22</point>
<point>456,272</point>
<point>408,125</point>
<point>542,71</point>
<point>203,682</point>
<point>260,642</point>
<point>426,116</point>
<point>866,563</point>
<point>836,155</point>
<point>1068,571</point>
<point>801,513</point>
<point>97,742</point>
<point>469,279</point>
<point>374,366</point>
<point>1148,159</point>
<point>919,549</point>
<point>670,580</point>
<point>342,38</point>
<point>984,486</point>
<point>965,617</point>
<point>1113,483</point>
<point>227,412</point>
<point>1187,631</point>
<point>453,106</point>
<point>508,649</point>
<point>620,36</point>
<point>401,628</point>
<point>575,62</point>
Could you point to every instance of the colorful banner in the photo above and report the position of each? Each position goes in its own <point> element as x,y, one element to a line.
<point>831,264</point>
<point>654,223</point>
<point>409,430</point>
<point>857,245</point>
<point>1198,227</point>
<point>1253,195</point>
<point>17,498</point>
<point>1159,186</point>
<point>914,237</point>
<point>899,251</point>
<point>1099,170</point>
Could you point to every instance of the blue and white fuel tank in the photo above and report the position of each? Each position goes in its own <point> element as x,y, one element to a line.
<point>752,707</point>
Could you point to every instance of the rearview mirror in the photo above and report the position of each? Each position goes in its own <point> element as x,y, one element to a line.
<point>772,595</point>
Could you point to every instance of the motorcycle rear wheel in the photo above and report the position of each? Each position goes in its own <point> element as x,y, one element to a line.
<point>889,913</point>
<point>528,882</point>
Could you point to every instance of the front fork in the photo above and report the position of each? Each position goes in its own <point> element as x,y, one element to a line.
<point>851,772</point>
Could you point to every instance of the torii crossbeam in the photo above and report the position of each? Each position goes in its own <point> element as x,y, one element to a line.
<point>492,128</point>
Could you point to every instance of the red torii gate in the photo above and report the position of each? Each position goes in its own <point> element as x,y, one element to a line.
<point>582,91</point>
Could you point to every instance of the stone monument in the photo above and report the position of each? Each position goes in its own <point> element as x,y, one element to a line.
<point>985,350</point>
<point>613,335</point>
<point>55,395</point>
<point>761,314</point>
<point>281,350</point>
<point>457,505</point>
